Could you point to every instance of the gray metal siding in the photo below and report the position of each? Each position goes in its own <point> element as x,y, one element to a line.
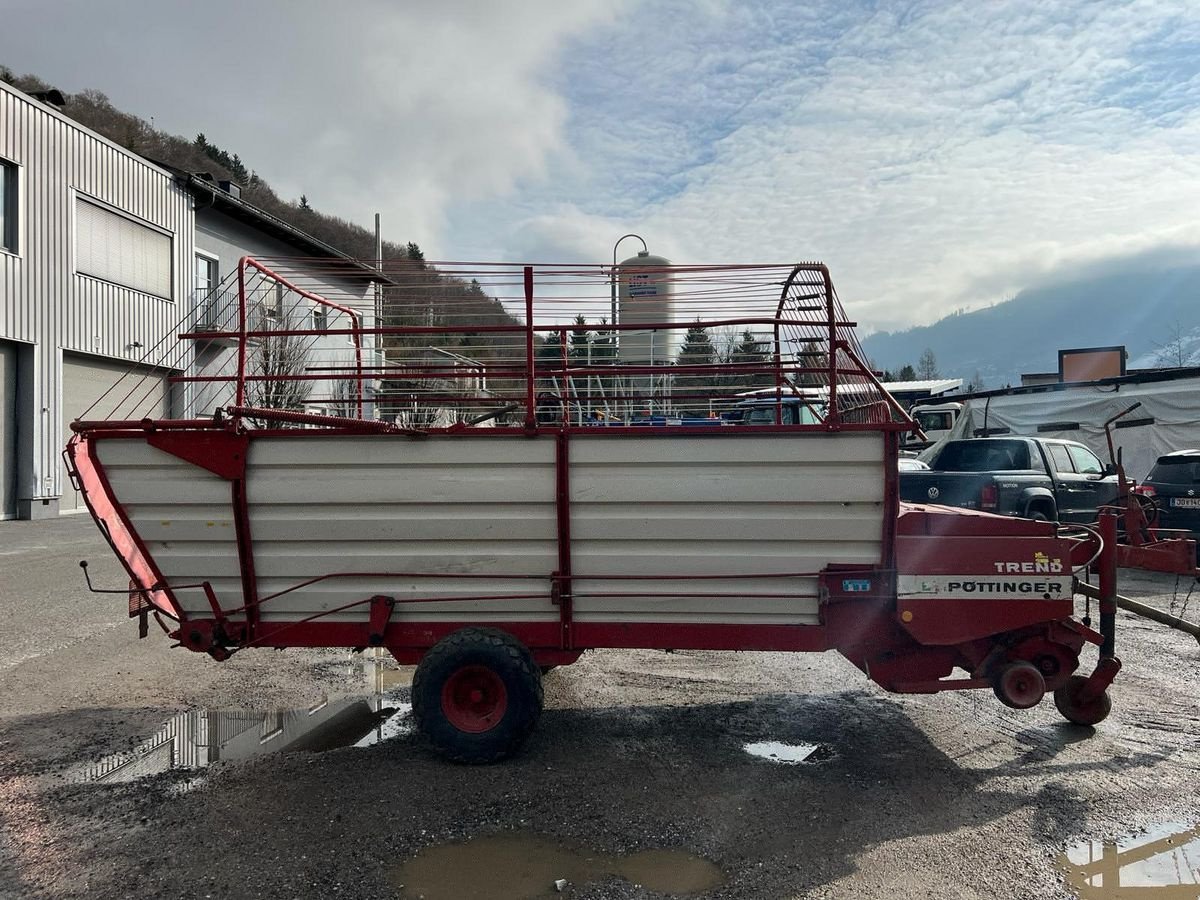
<point>85,380</point>
<point>8,430</point>
<point>42,300</point>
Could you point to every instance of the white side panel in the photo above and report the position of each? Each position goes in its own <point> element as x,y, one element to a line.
<point>449,507</point>
<point>380,511</point>
<point>746,506</point>
<point>183,514</point>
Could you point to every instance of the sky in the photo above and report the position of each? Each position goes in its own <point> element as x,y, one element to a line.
<point>937,156</point>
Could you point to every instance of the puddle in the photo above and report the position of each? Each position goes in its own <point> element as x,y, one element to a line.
<point>201,737</point>
<point>775,751</point>
<point>525,866</point>
<point>1164,863</point>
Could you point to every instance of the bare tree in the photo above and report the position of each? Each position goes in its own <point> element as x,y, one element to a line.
<point>927,365</point>
<point>1173,351</point>
<point>276,362</point>
<point>344,398</point>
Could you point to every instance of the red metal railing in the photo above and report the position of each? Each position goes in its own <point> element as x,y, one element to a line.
<point>513,346</point>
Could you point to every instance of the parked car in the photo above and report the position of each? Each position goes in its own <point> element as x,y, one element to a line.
<point>793,410</point>
<point>1055,480</point>
<point>1174,483</point>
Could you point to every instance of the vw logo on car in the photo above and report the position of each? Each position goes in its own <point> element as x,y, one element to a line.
<point>934,493</point>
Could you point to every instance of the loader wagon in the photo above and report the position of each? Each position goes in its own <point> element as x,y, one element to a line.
<point>333,476</point>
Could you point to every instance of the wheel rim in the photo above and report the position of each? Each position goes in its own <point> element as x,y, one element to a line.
<point>474,699</point>
<point>1023,685</point>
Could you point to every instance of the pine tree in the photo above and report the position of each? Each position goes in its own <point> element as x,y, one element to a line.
<point>304,202</point>
<point>907,373</point>
<point>581,340</point>
<point>697,349</point>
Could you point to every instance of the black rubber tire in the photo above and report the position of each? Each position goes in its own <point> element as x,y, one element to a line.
<point>1019,685</point>
<point>1038,514</point>
<point>1066,698</point>
<point>507,659</point>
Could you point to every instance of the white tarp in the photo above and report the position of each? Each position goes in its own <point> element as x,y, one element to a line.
<point>1174,407</point>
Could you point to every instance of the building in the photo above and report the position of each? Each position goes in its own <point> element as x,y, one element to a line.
<point>104,258</point>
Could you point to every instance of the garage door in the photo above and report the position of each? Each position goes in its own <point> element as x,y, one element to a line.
<point>8,430</point>
<point>85,380</point>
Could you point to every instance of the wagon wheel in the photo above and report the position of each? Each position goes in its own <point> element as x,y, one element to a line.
<point>1068,699</point>
<point>477,695</point>
<point>1019,685</point>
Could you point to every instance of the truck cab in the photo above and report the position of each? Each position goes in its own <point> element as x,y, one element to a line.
<point>935,419</point>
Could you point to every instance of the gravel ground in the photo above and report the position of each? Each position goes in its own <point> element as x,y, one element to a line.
<point>944,796</point>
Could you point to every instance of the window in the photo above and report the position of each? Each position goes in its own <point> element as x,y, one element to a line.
<point>273,305</point>
<point>1176,470</point>
<point>935,421</point>
<point>119,249</point>
<point>204,299</point>
<point>984,456</point>
<point>207,276</point>
<point>320,318</point>
<point>1060,458</point>
<point>1086,462</point>
<point>8,206</point>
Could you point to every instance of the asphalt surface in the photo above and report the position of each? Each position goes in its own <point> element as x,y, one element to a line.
<point>942,796</point>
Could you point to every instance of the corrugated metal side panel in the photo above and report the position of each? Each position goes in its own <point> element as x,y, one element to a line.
<point>456,507</point>
<point>43,300</point>
<point>182,513</point>
<point>448,506</point>
<point>746,505</point>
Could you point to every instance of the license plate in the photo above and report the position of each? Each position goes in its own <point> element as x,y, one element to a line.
<point>1186,502</point>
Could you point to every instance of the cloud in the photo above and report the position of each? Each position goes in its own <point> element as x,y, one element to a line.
<point>362,105</point>
<point>937,155</point>
<point>941,157</point>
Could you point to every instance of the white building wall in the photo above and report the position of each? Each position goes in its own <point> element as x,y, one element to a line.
<point>225,239</point>
<point>48,308</point>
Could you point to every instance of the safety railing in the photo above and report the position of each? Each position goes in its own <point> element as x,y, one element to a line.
<point>420,347</point>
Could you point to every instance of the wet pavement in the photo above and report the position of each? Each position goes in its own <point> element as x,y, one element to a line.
<point>524,865</point>
<point>130,769</point>
<point>1162,863</point>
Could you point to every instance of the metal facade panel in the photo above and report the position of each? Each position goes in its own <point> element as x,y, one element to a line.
<point>8,430</point>
<point>42,300</point>
<point>85,380</point>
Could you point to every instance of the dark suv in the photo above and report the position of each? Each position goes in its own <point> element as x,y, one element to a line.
<point>1174,483</point>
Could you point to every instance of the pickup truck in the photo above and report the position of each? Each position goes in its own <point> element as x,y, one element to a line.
<point>1053,480</point>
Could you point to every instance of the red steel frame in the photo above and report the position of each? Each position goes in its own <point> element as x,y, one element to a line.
<point>859,623</point>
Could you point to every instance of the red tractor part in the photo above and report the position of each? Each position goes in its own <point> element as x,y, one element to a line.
<point>1019,685</point>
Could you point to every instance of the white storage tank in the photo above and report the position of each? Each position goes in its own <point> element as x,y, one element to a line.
<point>645,294</point>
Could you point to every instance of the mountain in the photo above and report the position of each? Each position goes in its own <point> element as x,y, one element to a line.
<point>1152,308</point>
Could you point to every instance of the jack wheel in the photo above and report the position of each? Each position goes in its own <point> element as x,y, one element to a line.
<point>477,695</point>
<point>1019,685</point>
<point>1074,709</point>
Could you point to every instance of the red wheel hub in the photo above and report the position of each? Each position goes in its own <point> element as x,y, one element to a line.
<point>474,699</point>
<point>1020,685</point>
